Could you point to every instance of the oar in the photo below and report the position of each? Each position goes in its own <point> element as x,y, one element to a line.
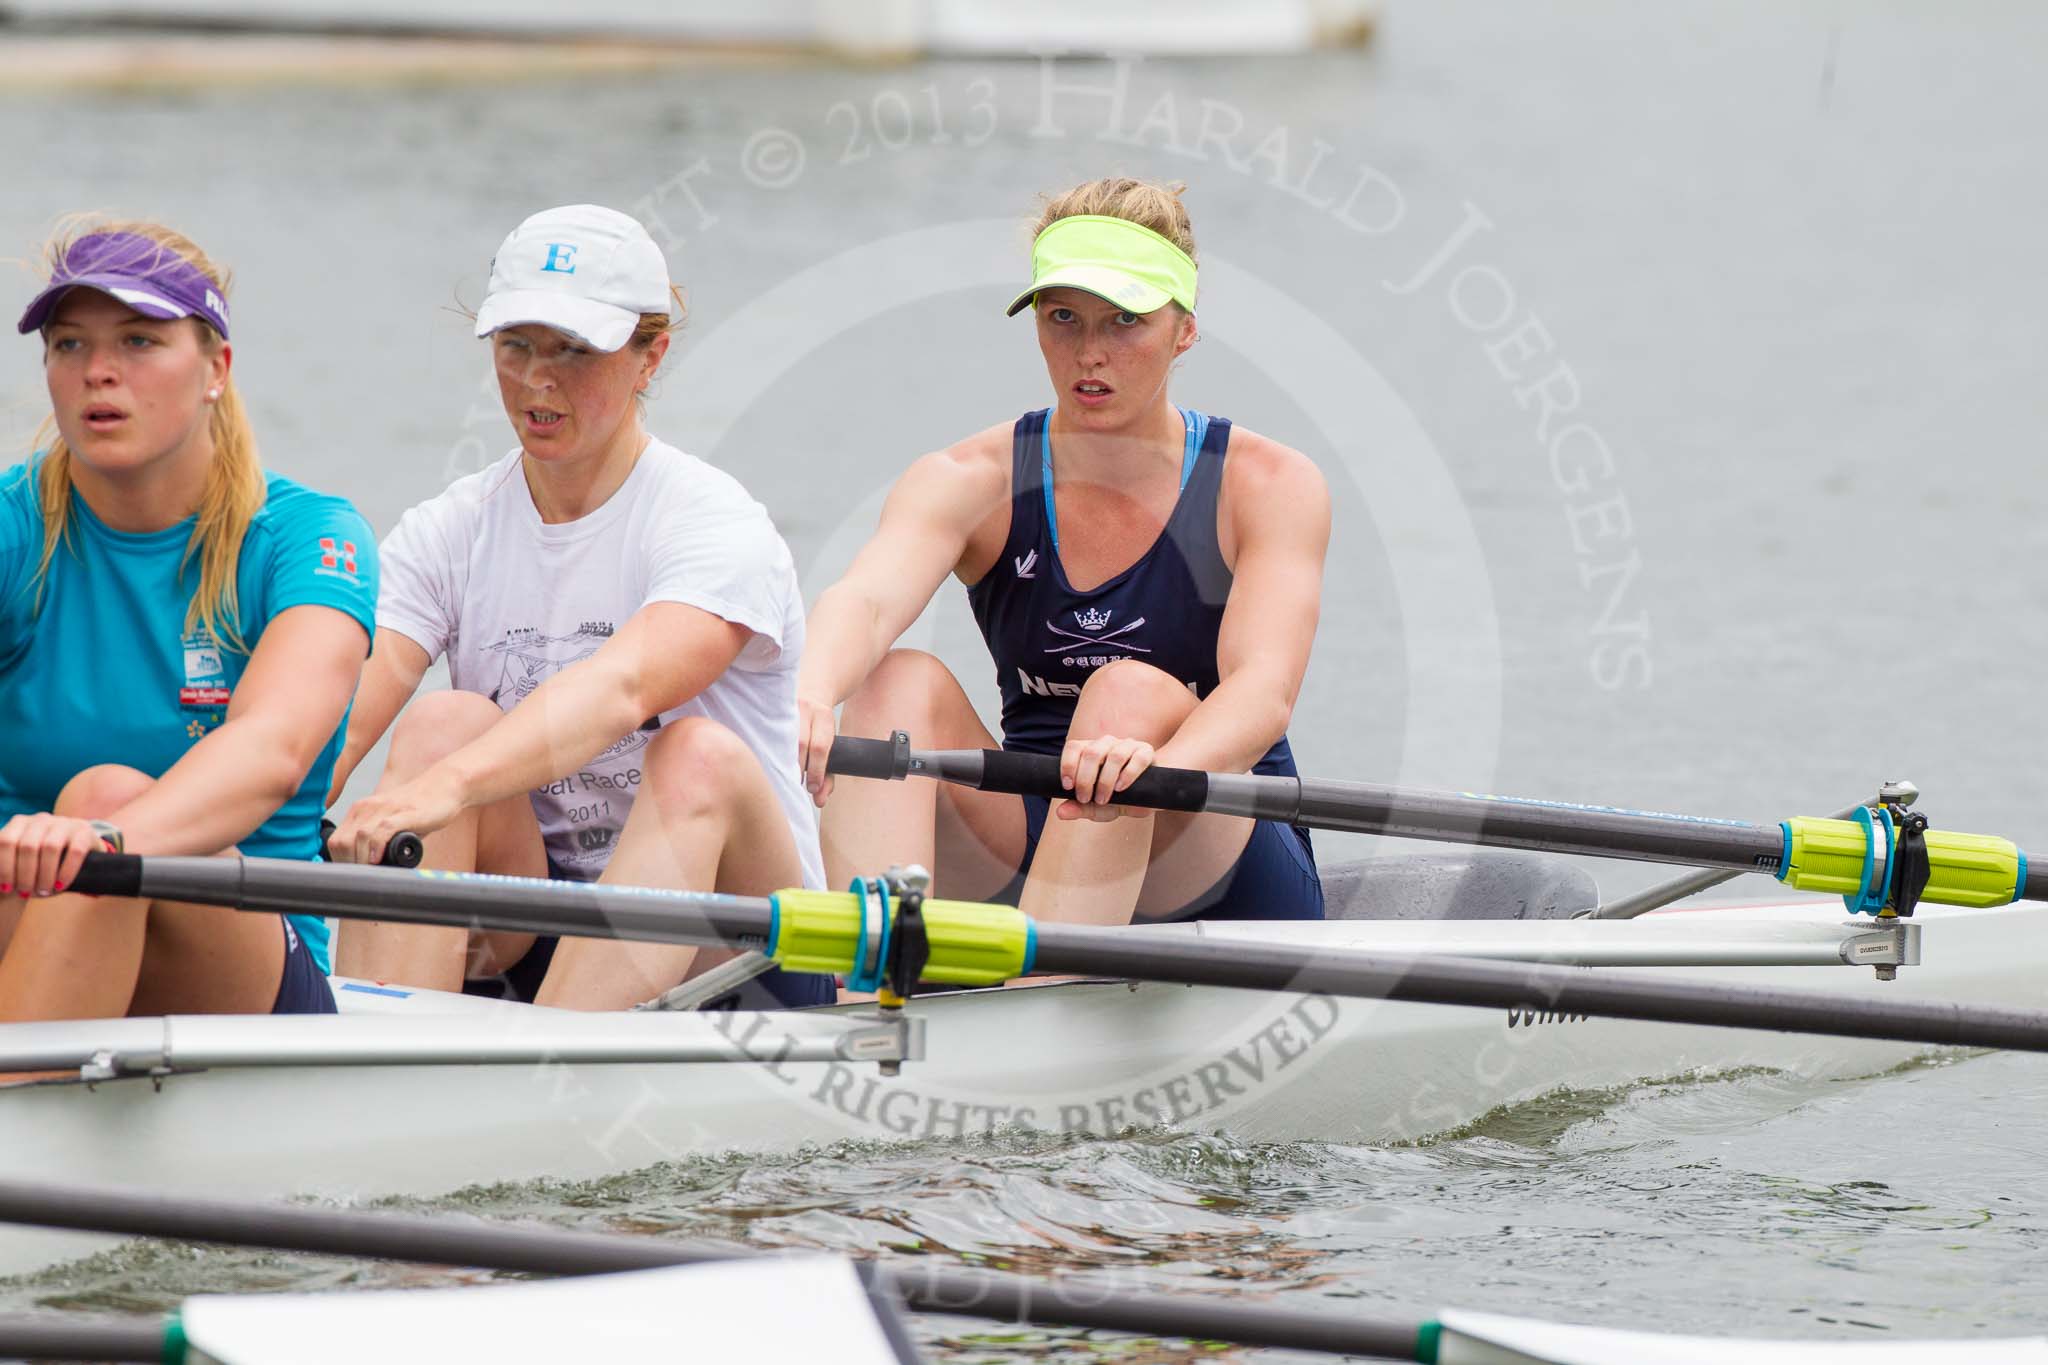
<point>923,1283</point>
<point>1692,883</point>
<point>67,1336</point>
<point>1850,858</point>
<point>978,945</point>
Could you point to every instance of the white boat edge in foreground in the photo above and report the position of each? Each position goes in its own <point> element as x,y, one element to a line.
<point>1464,1337</point>
<point>736,1311</point>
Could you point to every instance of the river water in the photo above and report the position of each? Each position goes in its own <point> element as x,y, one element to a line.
<point>1676,376</point>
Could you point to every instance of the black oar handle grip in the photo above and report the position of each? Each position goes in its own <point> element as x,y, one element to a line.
<point>1005,771</point>
<point>108,874</point>
<point>402,849</point>
<point>120,874</point>
<point>876,758</point>
<point>1039,775</point>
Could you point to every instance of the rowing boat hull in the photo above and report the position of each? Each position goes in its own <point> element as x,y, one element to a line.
<point>1077,1056</point>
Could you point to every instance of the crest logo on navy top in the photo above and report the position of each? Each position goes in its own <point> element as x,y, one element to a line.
<point>1093,620</point>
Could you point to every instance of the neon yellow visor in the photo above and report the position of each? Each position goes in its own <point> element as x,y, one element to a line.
<point>1115,259</point>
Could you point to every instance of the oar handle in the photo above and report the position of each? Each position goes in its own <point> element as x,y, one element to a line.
<point>1039,775</point>
<point>1002,770</point>
<point>402,849</point>
<point>109,874</point>
<point>852,756</point>
<point>120,874</point>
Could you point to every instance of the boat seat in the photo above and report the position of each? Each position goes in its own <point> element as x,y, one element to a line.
<point>1466,884</point>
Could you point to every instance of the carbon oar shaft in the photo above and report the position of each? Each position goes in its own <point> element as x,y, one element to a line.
<point>1353,807</point>
<point>1446,980</point>
<point>1833,856</point>
<point>1678,888</point>
<point>1068,1301</point>
<point>643,914</point>
<point>475,900</point>
<point>50,1336</point>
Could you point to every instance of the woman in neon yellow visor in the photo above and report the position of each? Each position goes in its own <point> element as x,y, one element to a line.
<point>1147,578</point>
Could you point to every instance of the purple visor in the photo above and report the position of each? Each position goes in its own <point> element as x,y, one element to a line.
<point>147,276</point>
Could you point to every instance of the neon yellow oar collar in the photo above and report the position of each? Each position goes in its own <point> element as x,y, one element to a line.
<point>1132,267</point>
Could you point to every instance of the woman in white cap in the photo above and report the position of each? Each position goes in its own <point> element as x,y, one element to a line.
<point>180,633</point>
<point>622,625</point>
<point>1147,579</point>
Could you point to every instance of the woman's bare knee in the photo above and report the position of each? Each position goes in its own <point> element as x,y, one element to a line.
<point>912,690</point>
<point>99,791</point>
<point>696,763</point>
<point>1131,700</point>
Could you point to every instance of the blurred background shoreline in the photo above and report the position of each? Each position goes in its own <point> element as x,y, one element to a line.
<point>155,43</point>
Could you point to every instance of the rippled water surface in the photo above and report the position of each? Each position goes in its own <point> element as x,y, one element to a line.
<point>1752,1204</point>
<point>1791,260</point>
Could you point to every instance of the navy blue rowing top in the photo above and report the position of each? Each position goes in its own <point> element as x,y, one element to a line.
<point>1165,610</point>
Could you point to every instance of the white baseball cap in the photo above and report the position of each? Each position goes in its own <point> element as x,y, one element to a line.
<point>580,269</point>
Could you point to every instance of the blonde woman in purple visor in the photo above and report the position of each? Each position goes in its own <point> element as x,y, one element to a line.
<point>1147,579</point>
<point>180,634</point>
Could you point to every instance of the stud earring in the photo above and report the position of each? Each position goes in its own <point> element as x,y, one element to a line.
<point>213,395</point>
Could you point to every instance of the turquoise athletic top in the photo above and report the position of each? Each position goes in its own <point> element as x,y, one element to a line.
<point>102,671</point>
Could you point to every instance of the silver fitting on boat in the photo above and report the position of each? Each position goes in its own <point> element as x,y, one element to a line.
<point>916,877</point>
<point>108,1064</point>
<point>1892,945</point>
<point>904,1042</point>
<point>908,887</point>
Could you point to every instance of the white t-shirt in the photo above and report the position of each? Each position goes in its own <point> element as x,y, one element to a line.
<point>476,574</point>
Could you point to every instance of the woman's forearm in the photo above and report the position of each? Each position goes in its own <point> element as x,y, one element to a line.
<point>219,793</point>
<point>665,654</point>
<point>920,540</point>
<point>286,707</point>
<point>564,723</point>
<point>1234,725</point>
<point>843,642</point>
<point>389,679</point>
